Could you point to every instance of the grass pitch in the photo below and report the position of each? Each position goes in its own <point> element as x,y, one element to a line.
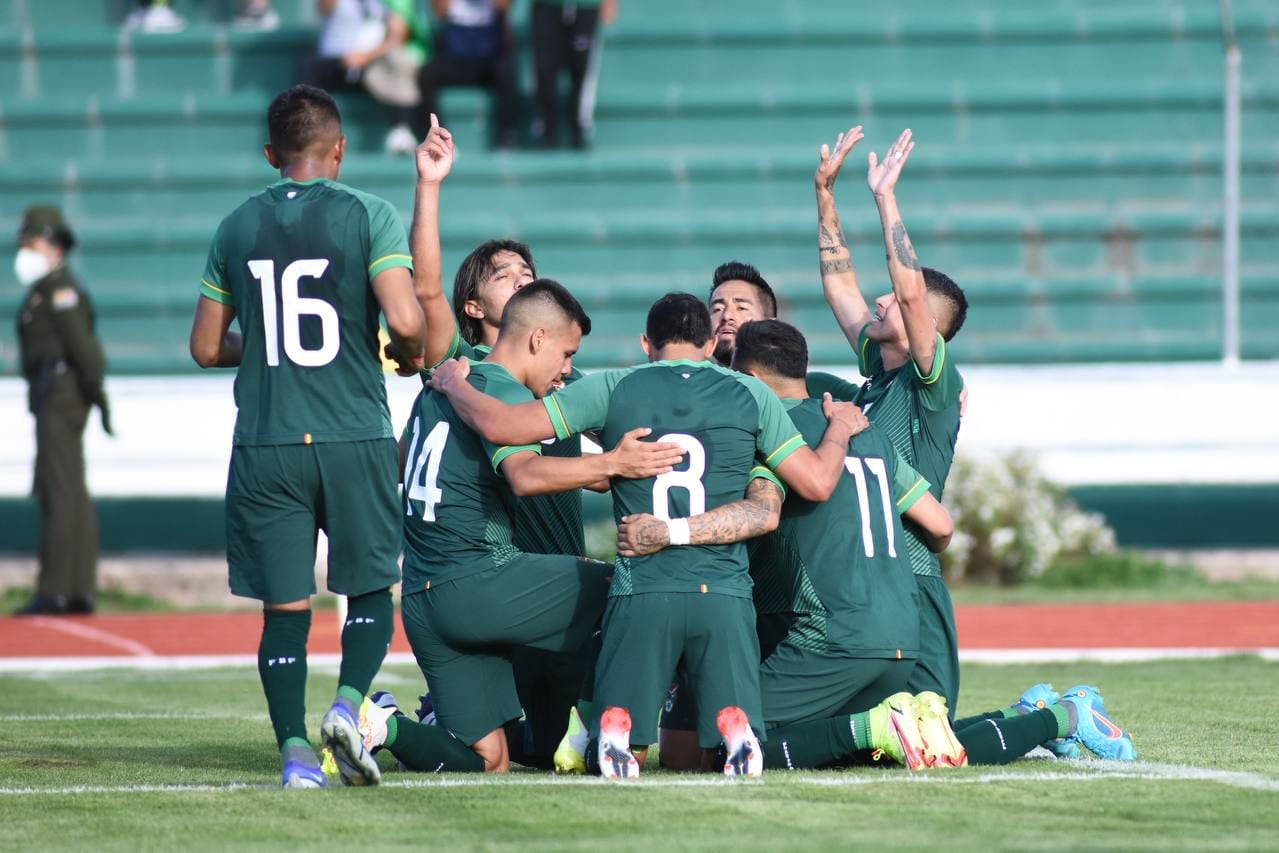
<point>165,760</point>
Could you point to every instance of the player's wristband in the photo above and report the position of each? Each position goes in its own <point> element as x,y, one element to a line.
<point>677,530</point>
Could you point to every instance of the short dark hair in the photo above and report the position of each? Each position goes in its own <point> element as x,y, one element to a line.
<point>678,318</point>
<point>772,346</point>
<point>941,285</point>
<point>549,293</point>
<point>299,117</point>
<point>475,268</point>
<point>738,271</point>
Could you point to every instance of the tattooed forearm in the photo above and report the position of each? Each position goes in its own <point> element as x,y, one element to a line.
<point>740,520</point>
<point>840,265</point>
<point>902,248</point>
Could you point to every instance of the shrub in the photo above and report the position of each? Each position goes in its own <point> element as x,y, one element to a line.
<point>1011,523</point>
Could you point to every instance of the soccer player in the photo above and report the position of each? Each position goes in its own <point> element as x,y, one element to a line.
<point>913,393</point>
<point>835,597</point>
<point>548,683</point>
<point>469,594</point>
<point>740,295</point>
<point>304,266</point>
<point>689,605</point>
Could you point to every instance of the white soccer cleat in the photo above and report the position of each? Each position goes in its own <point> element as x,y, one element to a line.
<point>745,757</point>
<point>374,712</point>
<point>615,756</point>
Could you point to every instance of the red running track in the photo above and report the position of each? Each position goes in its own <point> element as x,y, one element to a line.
<point>1210,625</point>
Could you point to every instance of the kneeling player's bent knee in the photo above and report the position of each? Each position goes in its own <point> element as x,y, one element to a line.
<point>494,750</point>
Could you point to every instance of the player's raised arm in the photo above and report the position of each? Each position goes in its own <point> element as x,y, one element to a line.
<point>814,474</point>
<point>756,514</point>
<point>530,473</point>
<point>903,265</point>
<point>839,280</point>
<point>434,162</point>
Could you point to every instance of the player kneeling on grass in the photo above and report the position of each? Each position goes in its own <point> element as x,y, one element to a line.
<point>837,617</point>
<point>469,595</point>
<point>686,607</point>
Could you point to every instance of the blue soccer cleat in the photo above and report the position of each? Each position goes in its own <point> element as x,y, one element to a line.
<point>298,774</point>
<point>1037,698</point>
<point>341,732</point>
<point>1094,728</point>
<point>425,710</point>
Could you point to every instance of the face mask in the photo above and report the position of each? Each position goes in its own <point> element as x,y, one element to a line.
<point>30,266</point>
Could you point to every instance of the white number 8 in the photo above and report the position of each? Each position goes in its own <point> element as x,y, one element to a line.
<point>690,480</point>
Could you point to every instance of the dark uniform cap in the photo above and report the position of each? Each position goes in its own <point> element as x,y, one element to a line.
<point>45,220</point>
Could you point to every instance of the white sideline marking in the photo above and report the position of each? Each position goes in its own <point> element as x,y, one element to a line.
<point>38,665</point>
<point>97,635</point>
<point>126,715</point>
<point>1073,771</point>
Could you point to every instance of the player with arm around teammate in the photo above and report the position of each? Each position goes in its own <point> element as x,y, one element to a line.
<point>469,595</point>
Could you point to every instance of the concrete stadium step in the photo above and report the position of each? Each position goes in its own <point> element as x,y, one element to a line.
<point>1028,112</point>
<point>1030,177</point>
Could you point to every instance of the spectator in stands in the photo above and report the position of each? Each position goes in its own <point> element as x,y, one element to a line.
<point>156,16</point>
<point>474,46</point>
<point>565,35</point>
<point>378,45</point>
<point>63,364</point>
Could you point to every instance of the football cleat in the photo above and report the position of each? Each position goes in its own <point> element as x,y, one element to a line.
<point>1040,697</point>
<point>1094,728</point>
<point>570,755</point>
<point>744,756</point>
<point>374,712</point>
<point>425,710</point>
<point>341,733</point>
<point>941,747</point>
<point>615,756</point>
<point>894,731</point>
<point>298,774</point>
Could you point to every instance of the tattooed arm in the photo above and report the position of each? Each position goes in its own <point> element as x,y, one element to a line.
<point>903,265</point>
<point>839,281</point>
<point>758,513</point>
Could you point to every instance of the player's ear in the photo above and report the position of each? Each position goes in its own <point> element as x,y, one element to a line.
<point>339,149</point>
<point>473,309</point>
<point>537,340</point>
<point>269,153</point>
<point>708,349</point>
<point>647,347</point>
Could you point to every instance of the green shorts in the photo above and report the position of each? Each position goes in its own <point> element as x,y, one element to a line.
<point>463,632</point>
<point>278,496</point>
<point>937,668</point>
<point>797,685</point>
<point>708,638</point>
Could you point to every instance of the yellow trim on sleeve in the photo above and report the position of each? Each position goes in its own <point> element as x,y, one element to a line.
<point>759,472</point>
<point>506,451</point>
<point>395,256</point>
<point>557,417</point>
<point>939,361</point>
<point>912,496</point>
<point>213,286</point>
<point>788,447</point>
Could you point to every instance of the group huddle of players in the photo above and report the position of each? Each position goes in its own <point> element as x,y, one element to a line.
<point>776,601</point>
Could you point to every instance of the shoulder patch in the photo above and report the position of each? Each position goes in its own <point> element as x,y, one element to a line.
<point>65,298</point>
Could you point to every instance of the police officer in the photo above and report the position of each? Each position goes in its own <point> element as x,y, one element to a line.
<point>63,364</point>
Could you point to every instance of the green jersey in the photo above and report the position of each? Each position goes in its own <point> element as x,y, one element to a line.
<point>544,524</point>
<point>836,572</point>
<point>296,262</point>
<point>920,414</point>
<point>724,421</point>
<point>457,505</point>
<point>840,389</point>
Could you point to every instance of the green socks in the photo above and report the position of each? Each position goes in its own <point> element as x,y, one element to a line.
<point>365,639</point>
<point>998,741</point>
<point>429,749</point>
<point>282,668</point>
<point>804,746</point>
